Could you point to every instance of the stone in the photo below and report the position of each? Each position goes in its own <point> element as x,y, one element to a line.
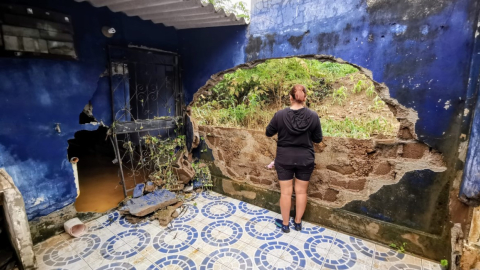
<point>165,216</point>
<point>414,150</point>
<point>175,214</point>
<point>177,205</point>
<point>149,187</point>
<point>357,185</point>
<point>341,169</point>
<point>138,191</point>
<point>405,134</point>
<point>133,219</point>
<point>330,195</point>
<point>188,189</point>
<point>184,171</point>
<point>176,187</point>
<point>261,181</point>
<point>149,203</point>
<point>383,168</point>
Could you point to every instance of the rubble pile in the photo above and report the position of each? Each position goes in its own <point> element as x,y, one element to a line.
<point>157,200</point>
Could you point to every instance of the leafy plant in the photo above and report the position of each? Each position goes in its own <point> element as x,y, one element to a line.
<point>399,248</point>
<point>358,87</point>
<point>371,91</point>
<point>378,105</point>
<point>339,95</point>
<point>444,263</point>
<point>160,156</point>
<point>202,174</point>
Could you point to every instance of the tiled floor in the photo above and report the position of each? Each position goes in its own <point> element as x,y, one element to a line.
<point>216,232</point>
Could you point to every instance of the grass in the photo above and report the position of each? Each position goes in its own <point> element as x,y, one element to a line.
<point>358,128</point>
<point>242,117</point>
<point>248,98</point>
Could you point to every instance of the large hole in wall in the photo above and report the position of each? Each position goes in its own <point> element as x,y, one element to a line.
<point>99,183</point>
<point>369,138</point>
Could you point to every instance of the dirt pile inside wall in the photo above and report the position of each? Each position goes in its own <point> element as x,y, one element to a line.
<point>346,169</point>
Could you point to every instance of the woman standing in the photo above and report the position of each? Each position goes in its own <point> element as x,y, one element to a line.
<point>298,128</point>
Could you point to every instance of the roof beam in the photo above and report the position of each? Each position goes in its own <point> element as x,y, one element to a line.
<point>139,4</point>
<point>189,18</point>
<point>200,21</point>
<point>205,25</point>
<point>165,8</point>
<point>185,12</point>
<point>102,3</point>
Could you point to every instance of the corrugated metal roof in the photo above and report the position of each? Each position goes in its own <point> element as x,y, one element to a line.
<point>181,14</point>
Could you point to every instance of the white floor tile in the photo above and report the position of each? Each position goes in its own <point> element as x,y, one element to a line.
<point>217,232</point>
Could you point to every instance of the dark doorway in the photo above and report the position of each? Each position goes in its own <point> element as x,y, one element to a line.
<point>100,185</point>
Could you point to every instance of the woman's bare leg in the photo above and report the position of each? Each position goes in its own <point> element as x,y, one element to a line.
<point>301,199</point>
<point>286,199</point>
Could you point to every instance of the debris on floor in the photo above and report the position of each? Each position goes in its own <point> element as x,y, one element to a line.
<point>165,216</point>
<point>149,203</point>
<point>218,233</point>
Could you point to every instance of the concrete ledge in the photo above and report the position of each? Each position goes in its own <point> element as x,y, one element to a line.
<point>419,243</point>
<point>16,217</point>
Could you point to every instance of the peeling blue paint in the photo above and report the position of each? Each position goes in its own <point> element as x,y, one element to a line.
<point>37,93</point>
<point>421,50</point>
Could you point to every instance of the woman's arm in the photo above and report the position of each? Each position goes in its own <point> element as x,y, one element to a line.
<point>272,128</point>
<point>317,135</point>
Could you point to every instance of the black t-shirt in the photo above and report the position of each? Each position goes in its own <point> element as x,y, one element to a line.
<point>297,131</point>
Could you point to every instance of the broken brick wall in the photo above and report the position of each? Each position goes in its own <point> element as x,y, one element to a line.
<point>38,93</point>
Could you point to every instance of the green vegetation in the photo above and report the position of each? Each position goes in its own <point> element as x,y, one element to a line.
<point>444,263</point>
<point>248,98</point>
<point>202,174</point>
<point>161,157</point>
<point>355,128</point>
<point>238,8</point>
<point>399,248</point>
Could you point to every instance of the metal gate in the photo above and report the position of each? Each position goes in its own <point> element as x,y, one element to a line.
<point>146,100</point>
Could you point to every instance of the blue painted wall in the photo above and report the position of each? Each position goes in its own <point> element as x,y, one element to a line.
<point>37,93</point>
<point>422,51</point>
<point>207,51</point>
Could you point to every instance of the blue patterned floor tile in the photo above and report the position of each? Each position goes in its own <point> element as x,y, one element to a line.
<point>394,258</point>
<point>117,266</point>
<point>227,258</point>
<point>265,256</point>
<point>176,239</point>
<point>217,232</point>
<point>218,210</point>
<point>213,196</point>
<point>180,261</point>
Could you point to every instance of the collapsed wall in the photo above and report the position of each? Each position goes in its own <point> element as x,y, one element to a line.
<point>346,170</point>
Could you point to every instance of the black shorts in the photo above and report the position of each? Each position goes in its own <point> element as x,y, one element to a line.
<point>301,172</point>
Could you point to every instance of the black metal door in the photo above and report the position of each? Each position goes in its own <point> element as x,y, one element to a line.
<point>146,100</point>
